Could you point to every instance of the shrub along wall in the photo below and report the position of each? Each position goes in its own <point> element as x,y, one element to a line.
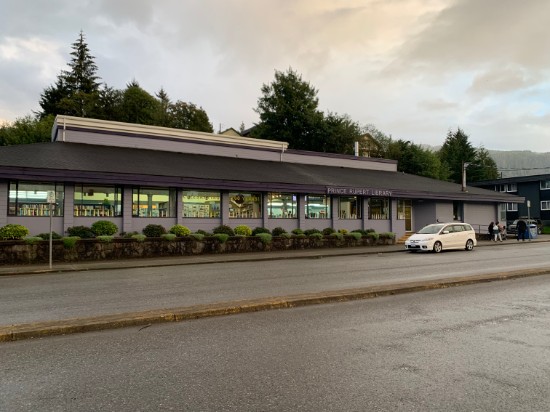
<point>22,252</point>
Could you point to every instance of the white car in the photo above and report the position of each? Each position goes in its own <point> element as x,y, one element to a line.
<point>442,236</point>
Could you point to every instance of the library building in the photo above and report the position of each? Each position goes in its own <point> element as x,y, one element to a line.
<point>135,175</point>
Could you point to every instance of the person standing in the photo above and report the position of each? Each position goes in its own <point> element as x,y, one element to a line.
<point>496,232</point>
<point>491,230</point>
<point>521,228</point>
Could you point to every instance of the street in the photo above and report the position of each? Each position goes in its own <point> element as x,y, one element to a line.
<point>33,298</point>
<point>484,347</point>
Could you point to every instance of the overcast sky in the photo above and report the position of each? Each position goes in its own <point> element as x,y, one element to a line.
<point>414,68</point>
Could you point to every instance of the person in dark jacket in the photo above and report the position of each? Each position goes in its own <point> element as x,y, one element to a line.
<point>521,228</point>
<point>491,230</point>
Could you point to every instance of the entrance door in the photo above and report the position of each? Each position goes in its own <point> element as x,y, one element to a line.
<point>404,210</point>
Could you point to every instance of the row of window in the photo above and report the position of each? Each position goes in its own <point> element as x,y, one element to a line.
<point>513,207</point>
<point>513,187</point>
<point>31,199</point>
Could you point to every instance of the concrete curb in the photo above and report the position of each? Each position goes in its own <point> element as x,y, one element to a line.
<point>147,318</point>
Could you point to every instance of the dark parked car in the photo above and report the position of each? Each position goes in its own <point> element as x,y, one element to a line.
<point>512,228</point>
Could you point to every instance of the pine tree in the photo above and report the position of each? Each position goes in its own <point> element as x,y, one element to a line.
<point>77,90</point>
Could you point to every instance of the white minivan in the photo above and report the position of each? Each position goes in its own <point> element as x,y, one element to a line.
<point>442,236</point>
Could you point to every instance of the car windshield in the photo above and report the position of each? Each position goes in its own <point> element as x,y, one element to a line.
<point>430,229</point>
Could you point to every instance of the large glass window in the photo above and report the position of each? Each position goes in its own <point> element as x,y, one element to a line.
<point>97,201</point>
<point>349,207</point>
<point>153,202</point>
<point>31,199</point>
<point>318,207</point>
<point>379,208</point>
<point>282,205</point>
<point>197,203</point>
<point>245,205</point>
<point>545,205</point>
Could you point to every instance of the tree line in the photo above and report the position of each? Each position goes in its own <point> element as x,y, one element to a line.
<point>288,109</point>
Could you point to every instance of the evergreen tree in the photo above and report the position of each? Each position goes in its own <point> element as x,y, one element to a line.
<point>483,167</point>
<point>77,90</point>
<point>138,106</point>
<point>288,112</point>
<point>456,151</point>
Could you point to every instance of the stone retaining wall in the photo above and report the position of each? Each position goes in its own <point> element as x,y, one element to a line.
<point>20,252</point>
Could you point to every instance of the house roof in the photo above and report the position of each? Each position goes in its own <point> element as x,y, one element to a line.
<point>86,163</point>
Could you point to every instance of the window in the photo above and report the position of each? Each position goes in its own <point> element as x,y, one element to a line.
<point>153,202</point>
<point>100,201</point>
<point>200,204</point>
<point>317,207</point>
<point>282,205</point>
<point>245,205</point>
<point>511,207</point>
<point>403,209</point>
<point>544,184</point>
<point>512,187</point>
<point>349,207</point>
<point>545,205</point>
<point>379,208</point>
<point>31,199</point>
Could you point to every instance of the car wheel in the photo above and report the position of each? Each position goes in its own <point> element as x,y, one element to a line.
<point>438,247</point>
<point>469,244</point>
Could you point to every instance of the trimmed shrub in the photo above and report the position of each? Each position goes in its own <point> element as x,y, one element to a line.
<point>266,238</point>
<point>328,231</point>
<point>297,232</point>
<point>338,235</point>
<point>105,238</point>
<point>309,232</point>
<point>104,228</point>
<point>361,232</point>
<point>373,236</point>
<point>69,242</point>
<point>46,236</point>
<point>83,232</point>
<point>138,238</point>
<point>197,236</point>
<point>259,230</point>
<point>129,235</point>
<point>203,232</point>
<point>12,231</point>
<point>154,230</point>
<point>242,230</point>
<point>169,236</point>
<point>223,229</point>
<point>370,231</point>
<point>387,235</point>
<point>356,235</point>
<point>222,237</point>
<point>278,231</point>
<point>286,235</point>
<point>343,231</point>
<point>31,240</point>
<point>316,235</point>
<point>180,230</point>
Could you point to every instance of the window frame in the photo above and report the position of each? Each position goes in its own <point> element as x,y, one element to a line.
<point>42,208</point>
<point>272,212</point>
<point>170,210</point>
<point>209,208</point>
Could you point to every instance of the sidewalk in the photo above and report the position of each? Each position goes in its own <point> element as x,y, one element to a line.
<point>7,270</point>
<point>145,318</point>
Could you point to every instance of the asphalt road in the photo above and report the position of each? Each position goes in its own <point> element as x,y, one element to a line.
<point>484,347</point>
<point>55,296</point>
